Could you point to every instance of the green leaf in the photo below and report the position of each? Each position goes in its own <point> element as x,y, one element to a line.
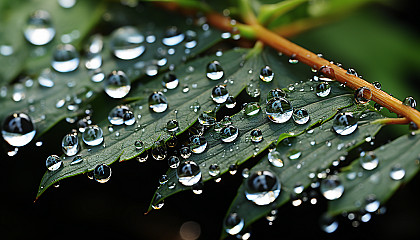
<point>318,149</point>
<point>359,184</point>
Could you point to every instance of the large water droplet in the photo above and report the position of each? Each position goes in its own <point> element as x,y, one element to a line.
<point>158,102</point>
<point>275,93</point>
<point>159,151</point>
<point>39,29</point>
<point>126,43</point>
<point>410,101</point>
<point>117,84</point>
<point>368,160</point>
<point>70,144</point>
<point>65,58</point>
<point>274,158</point>
<point>219,94</point>
<point>344,123</point>
<point>173,36</point>
<point>331,187</point>
<point>279,110</point>
<point>214,71</point>
<point>116,115</point>
<point>185,152</point>
<point>262,188</point>
<point>229,133</point>
<point>173,161</point>
<point>323,89</point>
<point>234,224</point>
<point>18,129</point>
<point>102,173</point>
<point>188,173</point>
<point>300,116</point>
<point>397,172</point>
<point>53,163</point>
<point>266,74</point>
<point>93,135</point>
<point>198,144</point>
<point>362,95</point>
<point>256,135</point>
<point>170,81</point>
<point>251,109</point>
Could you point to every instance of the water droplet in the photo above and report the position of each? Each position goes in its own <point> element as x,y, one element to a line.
<point>214,71</point>
<point>188,173</point>
<point>274,158</point>
<point>102,173</point>
<point>262,188</point>
<point>325,73</point>
<point>6,50</point>
<point>116,115</point>
<point>46,78</point>
<point>253,90</point>
<point>344,123</point>
<point>331,187</point>
<point>173,36</point>
<point>65,58</point>
<point>362,95</point>
<point>298,188</point>
<point>229,133</point>
<point>70,144</point>
<point>293,59</point>
<point>195,106</point>
<point>275,93</point>
<point>371,203</point>
<point>279,110</point>
<point>256,135</point>
<point>234,224</point>
<point>198,144</point>
<point>207,118</point>
<point>97,76</point>
<point>353,72</point>
<point>410,101</point>
<point>126,43</point>
<point>377,85</point>
<point>190,39</point>
<point>266,74</point>
<point>397,172</point>
<point>172,125</point>
<point>93,61</point>
<point>138,145</point>
<point>76,160</point>
<point>219,94</point>
<point>245,173</point>
<point>173,161</point>
<point>214,170</point>
<point>328,223</point>
<point>230,102</point>
<point>185,152</point>
<point>39,29</point>
<point>117,84</point>
<point>159,151</point>
<point>143,156</point>
<point>158,102</point>
<point>368,160</point>
<point>129,118</point>
<point>294,154</point>
<point>93,135</point>
<point>323,89</point>
<point>170,81</point>
<point>53,163</point>
<point>251,109</point>
<point>95,44</point>
<point>300,116</point>
<point>18,129</point>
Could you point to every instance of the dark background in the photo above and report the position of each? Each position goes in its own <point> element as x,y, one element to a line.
<point>83,208</point>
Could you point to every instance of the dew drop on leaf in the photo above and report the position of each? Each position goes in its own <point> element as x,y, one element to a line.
<point>173,161</point>
<point>172,125</point>
<point>70,144</point>
<point>256,135</point>
<point>234,224</point>
<point>214,170</point>
<point>53,163</point>
<point>117,84</point>
<point>230,102</point>
<point>274,158</point>
<point>116,115</point>
<point>219,94</point>
<point>18,129</point>
<point>323,89</point>
<point>76,160</point>
<point>158,102</point>
<point>251,109</point>
<point>229,133</point>
<point>266,74</point>
<point>185,152</point>
<point>170,81</point>
<point>331,187</point>
<point>279,110</point>
<point>158,150</point>
<point>344,123</point>
<point>275,93</point>
<point>173,36</point>
<point>300,116</point>
<point>127,43</point>
<point>39,29</point>
<point>214,71</point>
<point>397,172</point>
<point>371,203</point>
<point>368,160</point>
<point>362,95</point>
<point>188,173</point>
<point>207,118</point>
<point>410,101</point>
<point>102,173</point>
<point>198,144</point>
<point>46,78</point>
<point>262,188</point>
<point>65,58</point>
<point>93,135</point>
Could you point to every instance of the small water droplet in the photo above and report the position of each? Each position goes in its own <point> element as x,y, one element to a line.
<point>323,89</point>
<point>362,95</point>
<point>234,224</point>
<point>251,109</point>
<point>325,73</point>
<point>188,173</point>
<point>138,145</point>
<point>293,59</point>
<point>230,102</point>
<point>266,74</point>
<point>368,160</point>
<point>67,3</point>
<point>253,90</point>
<point>18,129</point>
<point>198,144</point>
<point>344,123</point>
<point>256,135</point>
<point>39,29</point>
<point>371,203</point>
<point>397,172</point>
<point>214,71</point>
<point>102,173</point>
<point>76,160</point>
<point>46,78</point>
<point>279,110</point>
<point>328,223</point>
<point>377,85</point>
<point>274,158</point>
<point>219,94</point>
<point>126,43</point>
<point>170,81</point>
<point>117,84</point>
<point>93,135</point>
<point>172,125</point>
<point>214,170</point>
<point>173,36</point>
<point>70,144</point>
<point>294,154</point>
<point>262,188</point>
<point>300,116</point>
<point>158,102</point>
<point>53,163</point>
<point>229,133</point>
<point>65,58</point>
<point>116,115</point>
<point>185,152</point>
<point>159,151</point>
<point>331,187</point>
<point>173,161</point>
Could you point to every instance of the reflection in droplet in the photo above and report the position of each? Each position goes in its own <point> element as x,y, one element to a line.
<point>188,173</point>
<point>234,224</point>
<point>262,188</point>
<point>214,71</point>
<point>344,123</point>
<point>279,110</point>
<point>158,102</point>
<point>70,144</point>
<point>323,89</point>
<point>65,58</point>
<point>362,95</point>
<point>300,116</point>
<point>53,163</point>
<point>219,94</point>
<point>39,29</point>
<point>102,173</point>
<point>18,129</point>
<point>331,187</point>
<point>266,74</point>
<point>229,133</point>
<point>198,144</point>
<point>126,43</point>
<point>274,158</point>
<point>117,84</point>
<point>368,160</point>
<point>256,135</point>
<point>93,135</point>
